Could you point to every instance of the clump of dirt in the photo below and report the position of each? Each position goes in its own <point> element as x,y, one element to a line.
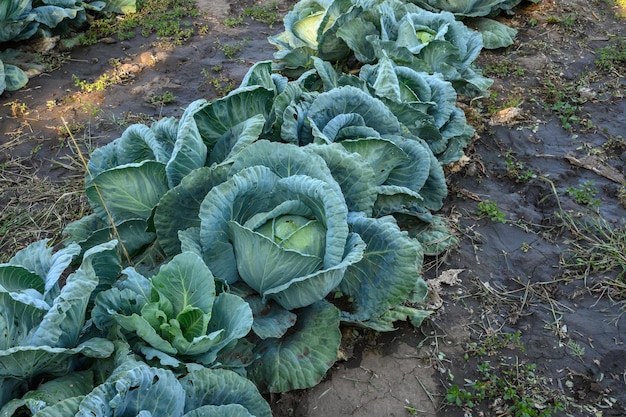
<point>541,190</point>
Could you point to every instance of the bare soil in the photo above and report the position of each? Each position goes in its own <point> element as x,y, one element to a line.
<point>517,298</point>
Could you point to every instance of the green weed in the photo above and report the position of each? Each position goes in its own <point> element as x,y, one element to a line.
<point>516,170</point>
<point>493,342</point>
<point>162,99</point>
<point>269,14</point>
<point>585,194</point>
<point>515,384</point>
<point>232,49</point>
<point>222,84</point>
<point>100,84</point>
<point>567,113</point>
<point>514,387</point>
<point>503,68</point>
<point>490,209</point>
<point>621,195</point>
<point>165,19</point>
<point>575,349</point>
<point>613,56</point>
<point>566,22</point>
<point>233,21</point>
<point>18,108</point>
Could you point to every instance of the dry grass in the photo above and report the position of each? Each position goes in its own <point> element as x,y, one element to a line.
<point>597,247</point>
<point>34,207</point>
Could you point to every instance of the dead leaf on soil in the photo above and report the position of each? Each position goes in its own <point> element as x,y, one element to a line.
<point>458,165</point>
<point>596,165</point>
<point>449,277</point>
<point>504,117</point>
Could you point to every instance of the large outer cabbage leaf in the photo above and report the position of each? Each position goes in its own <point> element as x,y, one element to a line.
<point>221,387</point>
<point>270,319</point>
<point>39,260</point>
<point>57,393</point>
<point>16,21</point>
<point>290,109</point>
<point>91,231</point>
<point>301,359</point>
<point>137,143</point>
<point>349,100</point>
<point>10,388</point>
<point>135,389</point>
<point>285,160</point>
<point>13,10</point>
<point>495,34</point>
<point>236,139</point>
<point>356,178</point>
<point>27,361</point>
<point>215,119</point>
<point>11,77</point>
<point>179,208</point>
<point>129,191</point>
<point>417,176</point>
<point>261,74</point>
<point>51,15</point>
<point>120,6</point>
<point>386,275</point>
<point>469,8</point>
<point>189,151</point>
<point>435,236</point>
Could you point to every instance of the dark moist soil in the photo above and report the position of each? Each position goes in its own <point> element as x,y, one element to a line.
<point>513,303</point>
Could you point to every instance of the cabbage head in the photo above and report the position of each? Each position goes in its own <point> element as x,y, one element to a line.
<point>285,237</point>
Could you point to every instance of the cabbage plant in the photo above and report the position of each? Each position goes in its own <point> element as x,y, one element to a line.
<point>41,319</point>
<point>276,198</point>
<point>431,42</point>
<point>125,385</point>
<point>478,14</point>
<point>280,239</point>
<point>134,388</point>
<point>176,316</point>
<point>23,19</point>
<point>250,228</point>
<point>425,104</point>
<point>370,30</point>
<point>311,30</point>
<point>127,178</point>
